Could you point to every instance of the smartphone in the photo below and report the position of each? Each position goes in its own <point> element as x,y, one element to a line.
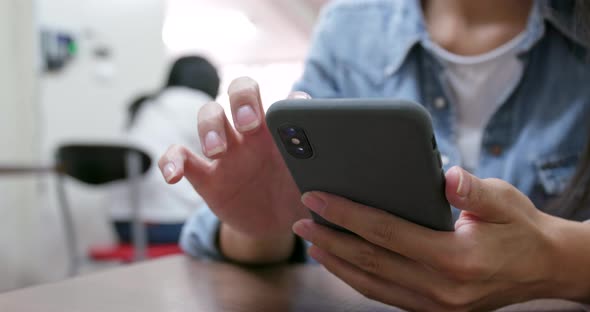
<point>378,152</point>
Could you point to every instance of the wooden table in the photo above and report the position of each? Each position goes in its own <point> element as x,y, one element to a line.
<point>179,284</point>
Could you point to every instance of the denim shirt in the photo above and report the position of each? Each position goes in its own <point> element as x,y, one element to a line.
<point>381,48</point>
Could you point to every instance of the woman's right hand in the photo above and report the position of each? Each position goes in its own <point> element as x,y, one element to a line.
<point>243,179</point>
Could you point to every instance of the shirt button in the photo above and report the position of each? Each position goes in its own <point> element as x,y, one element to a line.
<point>496,150</point>
<point>440,102</point>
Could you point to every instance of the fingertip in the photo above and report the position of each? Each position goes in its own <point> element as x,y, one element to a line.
<point>171,172</point>
<point>171,164</point>
<point>246,105</point>
<point>175,179</point>
<point>302,227</point>
<point>314,201</point>
<point>453,173</point>
<point>242,84</point>
<point>479,199</point>
<point>299,95</point>
<point>452,179</point>
<point>456,180</point>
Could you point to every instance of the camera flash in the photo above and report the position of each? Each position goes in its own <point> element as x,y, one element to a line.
<point>295,141</point>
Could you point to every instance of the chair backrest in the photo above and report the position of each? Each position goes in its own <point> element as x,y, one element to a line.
<point>98,164</point>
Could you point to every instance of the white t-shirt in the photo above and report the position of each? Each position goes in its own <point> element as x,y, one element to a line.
<point>169,119</point>
<point>479,85</point>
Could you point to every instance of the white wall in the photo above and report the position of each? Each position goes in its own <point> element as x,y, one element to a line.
<point>20,256</point>
<point>78,103</point>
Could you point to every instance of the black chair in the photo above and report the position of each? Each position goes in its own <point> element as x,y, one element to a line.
<point>98,165</point>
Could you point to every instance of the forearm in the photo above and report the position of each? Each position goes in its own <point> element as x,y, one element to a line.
<point>248,250</point>
<point>572,264</point>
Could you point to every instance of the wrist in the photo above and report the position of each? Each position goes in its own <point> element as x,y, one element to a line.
<point>246,249</point>
<point>570,258</point>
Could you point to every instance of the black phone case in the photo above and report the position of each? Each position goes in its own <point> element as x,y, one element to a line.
<point>378,152</point>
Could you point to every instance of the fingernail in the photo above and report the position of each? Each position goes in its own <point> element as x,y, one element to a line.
<point>463,185</point>
<point>314,203</point>
<point>246,118</point>
<point>214,144</point>
<point>169,170</point>
<point>299,95</point>
<point>301,228</point>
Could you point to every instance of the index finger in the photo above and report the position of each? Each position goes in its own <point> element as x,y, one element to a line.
<point>383,229</point>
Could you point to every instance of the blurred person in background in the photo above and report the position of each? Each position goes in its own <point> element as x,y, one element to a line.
<point>155,122</point>
<point>506,85</point>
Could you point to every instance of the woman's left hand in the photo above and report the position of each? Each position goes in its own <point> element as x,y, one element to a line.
<point>501,251</point>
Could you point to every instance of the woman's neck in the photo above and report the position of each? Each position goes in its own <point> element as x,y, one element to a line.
<point>468,27</point>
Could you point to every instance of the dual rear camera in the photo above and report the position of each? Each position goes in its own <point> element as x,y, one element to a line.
<point>295,141</point>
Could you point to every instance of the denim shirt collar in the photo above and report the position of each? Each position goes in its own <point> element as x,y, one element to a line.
<point>415,31</point>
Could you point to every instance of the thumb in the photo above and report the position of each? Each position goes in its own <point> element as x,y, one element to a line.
<point>491,200</point>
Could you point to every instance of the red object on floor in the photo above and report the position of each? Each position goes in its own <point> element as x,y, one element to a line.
<point>124,252</point>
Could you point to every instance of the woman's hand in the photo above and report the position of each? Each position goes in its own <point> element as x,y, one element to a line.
<point>243,178</point>
<point>503,249</point>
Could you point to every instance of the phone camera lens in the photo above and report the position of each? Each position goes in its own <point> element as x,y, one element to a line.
<point>295,141</point>
<point>290,132</point>
<point>300,151</point>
